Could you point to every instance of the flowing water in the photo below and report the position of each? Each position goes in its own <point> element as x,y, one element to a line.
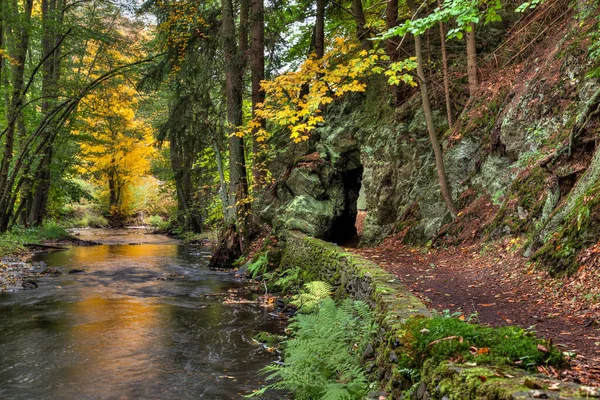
<point>119,331</point>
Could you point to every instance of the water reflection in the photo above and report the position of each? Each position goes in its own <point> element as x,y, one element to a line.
<point>118,332</point>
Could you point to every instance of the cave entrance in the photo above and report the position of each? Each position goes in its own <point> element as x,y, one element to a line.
<point>344,230</point>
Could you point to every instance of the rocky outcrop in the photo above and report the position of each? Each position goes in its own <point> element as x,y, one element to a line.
<point>509,146</point>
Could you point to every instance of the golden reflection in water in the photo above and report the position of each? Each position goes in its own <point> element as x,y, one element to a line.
<point>115,340</point>
<point>96,254</point>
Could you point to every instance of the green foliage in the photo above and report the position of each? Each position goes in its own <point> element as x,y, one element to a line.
<point>463,12</point>
<point>13,241</point>
<point>259,266</point>
<point>311,295</point>
<point>289,280</point>
<point>83,216</point>
<point>446,337</point>
<point>158,222</point>
<point>529,5</point>
<point>50,230</point>
<point>322,356</point>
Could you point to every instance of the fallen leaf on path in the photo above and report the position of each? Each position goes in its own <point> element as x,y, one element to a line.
<point>542,348</point>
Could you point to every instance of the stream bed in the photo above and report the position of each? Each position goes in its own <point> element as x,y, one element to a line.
<point>143,321</point>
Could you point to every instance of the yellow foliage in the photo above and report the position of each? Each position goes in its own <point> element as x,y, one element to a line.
<point>116,145</point>
<point>295,100</point>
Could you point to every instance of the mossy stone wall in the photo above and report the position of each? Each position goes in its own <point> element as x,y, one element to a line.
<point>355,277</point>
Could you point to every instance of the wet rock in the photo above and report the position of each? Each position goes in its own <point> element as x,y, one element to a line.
<point>29,284</point>
<point>423,392</point>
<point>43,264</point>
<point>370,367</point>
<point>77,271</point>
<point>369,352</point>
<point>51,271</point>
<point>280,303</point>
<point>376,395</point>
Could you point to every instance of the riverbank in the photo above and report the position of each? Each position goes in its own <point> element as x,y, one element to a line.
<point>17,247</point>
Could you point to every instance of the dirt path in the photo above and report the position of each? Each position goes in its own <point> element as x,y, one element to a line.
<point>501,288</point>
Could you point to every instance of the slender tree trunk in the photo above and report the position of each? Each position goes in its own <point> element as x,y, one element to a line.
<point>52,18</point>
<point>445,70</point>
<point>320,29</point>
<point>437,149</point>
<point>391,20</point>
<point>234,69</point>
<point>257,67</point>
<point>16,101</point>
<point>243,30</point>
<point>362,32</point>
<point>222,184</point>
<point>472,61</point>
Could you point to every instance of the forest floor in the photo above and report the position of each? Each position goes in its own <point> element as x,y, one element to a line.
<point>503,288</point>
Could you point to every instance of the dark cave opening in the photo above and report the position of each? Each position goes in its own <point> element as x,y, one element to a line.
<point>343,230</point>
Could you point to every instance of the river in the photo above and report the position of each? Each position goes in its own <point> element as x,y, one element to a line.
<point>143,321</point>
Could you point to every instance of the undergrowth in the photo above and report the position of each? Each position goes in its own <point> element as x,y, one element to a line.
<point>13,241</point>
<point>446,337</point>
<point>322,355</point>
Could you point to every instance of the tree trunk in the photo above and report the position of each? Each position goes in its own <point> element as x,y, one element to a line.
<point>391,20</point>
<point>257,67</point>
<point>187,207</point>
<point>16,101</point>
<point>234,70</point>
<point>320,29</point>
<point>52,18</point>
<point>362,32</point>
<point>472,61</point>
<point>437,149</point>
<point>222,184</point>
<point>445,70</point>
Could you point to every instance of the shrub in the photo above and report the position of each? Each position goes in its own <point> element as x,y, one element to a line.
<point>157,222</point>
<point>50,230</point>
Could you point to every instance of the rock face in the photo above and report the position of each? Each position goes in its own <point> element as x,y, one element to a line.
<point>498,149</point>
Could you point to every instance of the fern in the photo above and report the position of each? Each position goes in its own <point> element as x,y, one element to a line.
<point>289,279</point>
<point>322,356</point>
<point>310,296</point>
<point>259,266</point>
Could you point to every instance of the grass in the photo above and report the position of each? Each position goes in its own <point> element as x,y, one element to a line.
<point>92,221</point>
<point>444,338</point>
<point>13,241</point>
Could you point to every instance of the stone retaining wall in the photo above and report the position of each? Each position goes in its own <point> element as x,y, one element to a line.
<point>360,279</point>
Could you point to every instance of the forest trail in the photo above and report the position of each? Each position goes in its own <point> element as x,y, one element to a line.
<point>499,286</point>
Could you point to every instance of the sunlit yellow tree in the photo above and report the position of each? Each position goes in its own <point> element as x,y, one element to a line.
<point>117,147</point>
<point>295,100</point>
